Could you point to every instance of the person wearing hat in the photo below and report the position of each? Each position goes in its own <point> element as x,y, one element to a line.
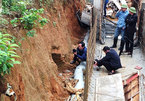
<point>121,15</point>
<point>130,29</point>
<point>111,61</point>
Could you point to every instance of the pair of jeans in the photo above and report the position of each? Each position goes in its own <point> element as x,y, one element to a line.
<point>105,4</point>
<point>119,31</point>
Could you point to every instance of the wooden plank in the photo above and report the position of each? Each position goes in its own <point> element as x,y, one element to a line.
<point>136,98</point>
<point>132,94</point>
<point>132,85</point>
<point>131,78</point>
<point>132,89</point>
<point>109,88</point>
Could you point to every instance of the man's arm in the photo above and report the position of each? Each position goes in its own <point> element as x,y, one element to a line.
<point>106,58</point>
<point>118,13</point>
<point>83,56</point>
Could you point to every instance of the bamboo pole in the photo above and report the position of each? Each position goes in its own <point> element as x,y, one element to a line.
<point>100,24</point>
<point>90,58</point>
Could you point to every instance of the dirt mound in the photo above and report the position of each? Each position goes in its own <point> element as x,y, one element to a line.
<point>44,55</point>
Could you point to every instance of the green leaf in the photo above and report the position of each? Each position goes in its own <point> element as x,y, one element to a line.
<point>8,35</point>
<point>7,39</point>
<point>43,21</point>
<point>3,53</point>
<point>7,53</point>
<point>19,43</point>
<point>12,48</point>
<point>17,56</point>
<point>12,59</point>
<point>40,10</point>
<point>4,67</point>
<point>2,42</point>
<point>3,46</point>
<point>14,21</point>
<point>12,52</point>
<point>17,62</point>
<point>10,65</point>
<point>14,45</point>
<point>31,33</point>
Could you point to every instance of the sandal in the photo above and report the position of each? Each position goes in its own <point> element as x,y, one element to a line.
<point>110,73</point>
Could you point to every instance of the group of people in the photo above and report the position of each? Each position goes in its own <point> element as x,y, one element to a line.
<point>126,26</point>
<point>111,61</point>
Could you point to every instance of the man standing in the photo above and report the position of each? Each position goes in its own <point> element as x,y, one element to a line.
<point>80,54</point>
<point>121,15</point>
<point>111,61</point>
<point>130,29</point>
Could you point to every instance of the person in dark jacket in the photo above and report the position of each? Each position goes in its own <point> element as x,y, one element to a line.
<point>130,29</point>
<point>111,61</point>
<point>80,54</point>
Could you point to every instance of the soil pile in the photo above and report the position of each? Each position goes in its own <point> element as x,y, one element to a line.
<point>45,55</point>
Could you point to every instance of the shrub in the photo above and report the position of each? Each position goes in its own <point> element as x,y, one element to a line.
<point>28,18</point>
<point>7,53</point>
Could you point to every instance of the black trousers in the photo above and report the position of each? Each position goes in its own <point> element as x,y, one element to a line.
<point>129,43</point>
<point>75,58</point>
<point>107,65</point>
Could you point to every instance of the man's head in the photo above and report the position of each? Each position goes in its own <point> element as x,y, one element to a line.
<point>124,7</point>
<point>106,49</point>
<point>81,45</point>
<point>132,10</point>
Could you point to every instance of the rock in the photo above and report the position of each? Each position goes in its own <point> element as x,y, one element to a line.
<point>67,71</point>
<point>60,74</point>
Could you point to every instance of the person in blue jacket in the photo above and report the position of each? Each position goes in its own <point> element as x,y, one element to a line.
<point>80,54</point>
<point>121,15</point>
<point>105,4</point>
<point>111,61</point>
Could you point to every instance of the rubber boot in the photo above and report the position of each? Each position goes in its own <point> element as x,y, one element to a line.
<point>115,43</point>
<point>121,47</point>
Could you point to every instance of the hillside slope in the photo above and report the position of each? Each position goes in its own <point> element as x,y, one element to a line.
<point>44,55</point>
